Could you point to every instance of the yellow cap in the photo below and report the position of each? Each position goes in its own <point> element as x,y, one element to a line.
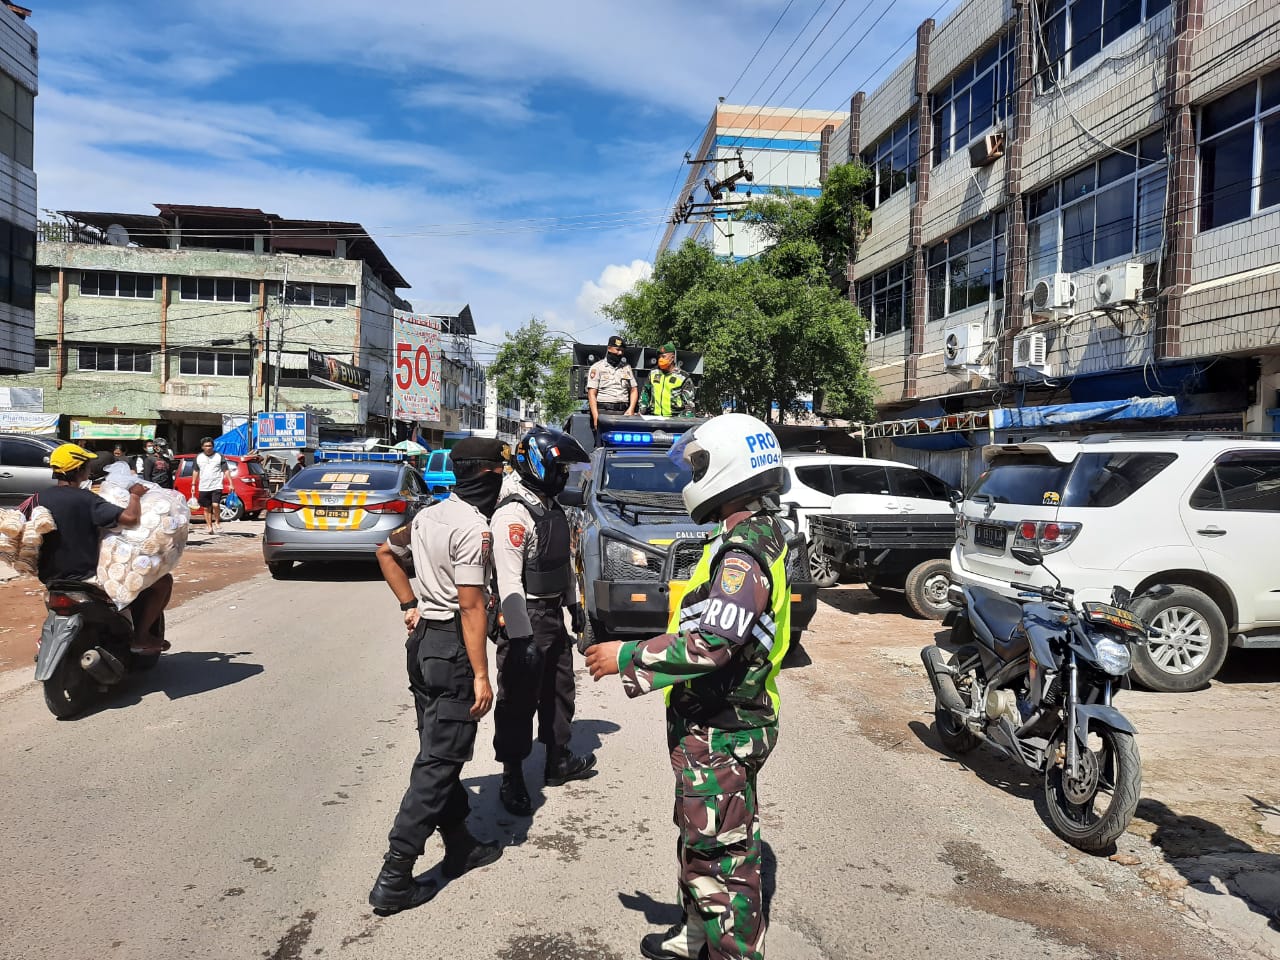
<point>68,458</point>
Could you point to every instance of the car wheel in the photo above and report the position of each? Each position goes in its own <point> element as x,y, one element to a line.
<point>823,570</point>
<point>926,588</point>
<point>1193,642</point>
<point>227,512</point>
<point>279,569</point>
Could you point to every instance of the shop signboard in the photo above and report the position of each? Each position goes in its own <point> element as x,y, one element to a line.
<point>287,431</point>
<point>415,340</point>
<point>36,424</point>
<point>112,430</point>
<point>337,373</point>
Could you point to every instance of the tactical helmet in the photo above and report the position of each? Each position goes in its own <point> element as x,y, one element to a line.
<point>542,459</point>
<point>732,456</point>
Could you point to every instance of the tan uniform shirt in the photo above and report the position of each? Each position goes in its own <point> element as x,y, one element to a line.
<point>514,535</point>
<point>451,546</point>
<point>611,384</point>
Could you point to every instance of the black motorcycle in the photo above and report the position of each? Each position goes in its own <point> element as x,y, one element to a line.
<point>1034,677</point>
<point>84,647</point>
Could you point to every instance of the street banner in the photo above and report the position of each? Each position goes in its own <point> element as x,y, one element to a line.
<point>287,431</point>
<point>38,424</point>
<point>112,430</point>
<point>415,340</point>
<point>337,373</point>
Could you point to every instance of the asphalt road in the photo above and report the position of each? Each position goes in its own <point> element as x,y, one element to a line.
<point>235,804</point>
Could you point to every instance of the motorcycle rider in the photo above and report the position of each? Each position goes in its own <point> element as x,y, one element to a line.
<point>719,660</point>
<point>536,584</point>
<point>71,551</point>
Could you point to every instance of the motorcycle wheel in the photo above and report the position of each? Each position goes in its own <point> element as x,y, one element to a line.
<point>955,736</point>
<point>70,690</point>
<point>1111,771</point>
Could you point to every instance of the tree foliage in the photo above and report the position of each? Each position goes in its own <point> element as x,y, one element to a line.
<point>533,366</point>
<point>774,327</point>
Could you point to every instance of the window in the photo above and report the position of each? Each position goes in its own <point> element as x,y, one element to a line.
<point>17,109</point>
<point>1240,153</point>
<point>885,299</point>
<point>1106,479</point>
<point>319,294</point>
<point>1249,482</point>
<point>43,360</point>
<point>23,453</point>
<point>967,269</point>
<point>17,265</point>
<point>861,478</point>
<point>100,283</point>
<point>1110,210</point>
<point>892,161</point>
<point>1073,31</point>
<point>918,484</point>
<point>209,363</point>
<point>44,280</point>
<point>117,359</point>
<point>977,98</point>
<point>218,289</point>
<point>819,478</point>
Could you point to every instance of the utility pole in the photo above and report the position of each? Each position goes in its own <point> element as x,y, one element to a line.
<point>284,312</point>
<point>253,366</point>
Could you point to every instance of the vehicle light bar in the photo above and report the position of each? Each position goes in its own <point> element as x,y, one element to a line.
<point>627,438</point>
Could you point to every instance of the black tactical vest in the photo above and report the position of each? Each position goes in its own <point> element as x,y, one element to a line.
<point>547,571</point>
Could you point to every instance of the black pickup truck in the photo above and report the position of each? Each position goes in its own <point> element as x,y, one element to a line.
<point>893,555</point>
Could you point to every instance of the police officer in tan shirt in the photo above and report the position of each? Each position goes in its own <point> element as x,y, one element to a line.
<point>611,383</point>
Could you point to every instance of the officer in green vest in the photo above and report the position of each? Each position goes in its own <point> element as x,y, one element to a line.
<point>669,392</point>
<point>718,662</point>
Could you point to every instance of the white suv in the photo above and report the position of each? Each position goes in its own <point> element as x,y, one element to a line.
<point>827,483</point>
<point>1199,515</point>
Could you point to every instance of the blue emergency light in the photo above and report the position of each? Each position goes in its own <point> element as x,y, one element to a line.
<point>622,438</point>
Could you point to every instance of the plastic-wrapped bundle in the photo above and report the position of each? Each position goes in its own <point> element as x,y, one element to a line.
<point>41,522</point>
<point>133,559</point>
<point>11,523</point>
<point>28,558</point>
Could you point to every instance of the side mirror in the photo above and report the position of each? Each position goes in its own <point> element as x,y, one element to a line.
<point>1027,558</point>
<point>571,497</point>
<point>1120,597</point>
<point>955,496</point>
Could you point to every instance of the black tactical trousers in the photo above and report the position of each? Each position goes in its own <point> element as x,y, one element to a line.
<point>547,690</point>
<point>441,679</point>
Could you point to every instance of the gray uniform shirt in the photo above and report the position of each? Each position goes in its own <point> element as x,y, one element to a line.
<point>514,534</point>
<point>611,384</point>
<point>451,546</point>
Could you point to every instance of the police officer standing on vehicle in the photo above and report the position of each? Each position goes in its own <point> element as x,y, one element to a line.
<point>448,550</point>
<point>611,383</point>
<point>668,393</point>
<point>536,583</point>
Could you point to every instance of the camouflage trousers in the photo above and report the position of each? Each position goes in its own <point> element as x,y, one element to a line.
<point>718,845</point>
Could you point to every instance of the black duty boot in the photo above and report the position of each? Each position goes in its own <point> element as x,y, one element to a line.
<point>463,852</point>
<point>563,766</point>
<point>395,889</point>
<point>679,943</point>
<point>513,793</point>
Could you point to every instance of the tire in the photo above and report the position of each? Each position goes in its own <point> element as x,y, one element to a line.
<point>955,736</point>
<point>1078,823</point>
<point>823,570</point>
<point>228,513</point>
<point>1193,648</point>
<point>591,635</point>
<point>70,690</point>
<point>279,568</point>
<point>927,587</point>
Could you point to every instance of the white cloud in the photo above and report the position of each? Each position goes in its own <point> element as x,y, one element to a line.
<point>614,280</point>
<point>481,105</point>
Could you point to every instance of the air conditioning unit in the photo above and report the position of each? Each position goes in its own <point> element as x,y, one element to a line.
<point>1118,284</point>
<point>986,150</point>
<point>962,345</point>
<point>1031,353</point>
<point>1053,295</point>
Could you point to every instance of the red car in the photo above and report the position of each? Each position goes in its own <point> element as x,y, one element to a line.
<point>244,474</point>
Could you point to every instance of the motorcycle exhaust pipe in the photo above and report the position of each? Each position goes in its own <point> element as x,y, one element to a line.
<point>102,666</point>
<point>942,679</point>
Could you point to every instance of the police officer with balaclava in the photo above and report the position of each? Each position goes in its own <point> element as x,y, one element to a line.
<point>536,583</point>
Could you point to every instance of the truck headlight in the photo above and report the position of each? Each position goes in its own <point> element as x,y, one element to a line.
<point>624,561</point>
<point>1114,658</point>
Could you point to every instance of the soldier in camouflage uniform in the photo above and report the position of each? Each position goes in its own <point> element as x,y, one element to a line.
<point>718,662</point>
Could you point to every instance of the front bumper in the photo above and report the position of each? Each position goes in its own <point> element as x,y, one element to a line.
<point>644,607</point>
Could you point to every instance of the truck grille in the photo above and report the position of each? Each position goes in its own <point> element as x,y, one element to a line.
<point>685,555</point>
<point>617,570</point>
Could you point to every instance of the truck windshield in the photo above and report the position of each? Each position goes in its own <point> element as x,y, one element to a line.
<point>643,473</point>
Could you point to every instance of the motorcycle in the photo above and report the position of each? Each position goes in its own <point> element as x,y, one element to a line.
<point>84,646</point>
<point>1034,678</point>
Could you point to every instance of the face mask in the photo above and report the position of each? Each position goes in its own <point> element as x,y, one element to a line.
<point>615,359</point>
<point>480,491</point>
<point>666,363</point>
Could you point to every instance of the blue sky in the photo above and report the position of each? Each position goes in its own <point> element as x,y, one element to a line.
<point>517,156</point>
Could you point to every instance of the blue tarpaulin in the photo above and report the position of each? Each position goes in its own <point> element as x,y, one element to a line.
<point>1102,411</point>
<point>233,443</point>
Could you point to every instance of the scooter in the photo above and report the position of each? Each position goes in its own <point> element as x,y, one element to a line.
<point>84,646</point>
<point>1034,678</point>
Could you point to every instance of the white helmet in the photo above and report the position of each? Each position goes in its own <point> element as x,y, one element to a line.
<point>732,456</point>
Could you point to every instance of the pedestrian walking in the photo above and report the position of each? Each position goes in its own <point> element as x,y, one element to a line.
<point>719,661</point>
<point>449,552</point>
<point>536,584</point>
<point>669,391</point>
<point>211,470</point>
<point>611,383</point>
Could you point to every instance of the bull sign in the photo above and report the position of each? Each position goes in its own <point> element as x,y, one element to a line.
<point>415,363</point>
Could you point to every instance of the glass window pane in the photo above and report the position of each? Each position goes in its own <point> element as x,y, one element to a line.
<point>1086,30</point>
<point>1055,43</point>
<point>207,288</point>
<point>997,270</point>
<point>987,59</point>
<point>1122,16</point>
<point>1250,482</point>
<point>938,291</point>
<point>1042,201</point>
<point>146,287</point>
<point>126,285</point>
<point>241,366</point>
<point>959,295</point>
<point>1113,236</point>
<point>893,317</point>
<point>1077,236</point>
<point>22,291</point>
<point>89,283</point>
<point>205,364</point>
<point>244,291</point>
<point>1150,211</point>
<point>982,104</point>
<point>961,121</point>
<point>1226,178</point>
<point>1155,6</point>
<point>1151,148</point>
<point>187,363</point>
<point>1270,176</point>
<point>87,358</point>
<point>24,147</point>
<point>142,361</point>
<point>224,289</point>
<point>188,288</point>
<point>959,243</point>
<point>1112,168</point>
<point>881,308</point>
<point>1271,91</point>
<point>8,95</point>
<point>937,253</point>
<point>979,274</point>
<point>980,232</point>
<point>1042,245</point>
<point>861,478</point>
<point>1235,107</point>
<point>1078,185</point>
<point>26,108</point>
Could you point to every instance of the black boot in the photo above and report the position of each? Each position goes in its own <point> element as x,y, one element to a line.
<point>395,889</point>
<point>679,943</point>
<point>513,793</point>
<point>463,852</point>
<point>563,766</point>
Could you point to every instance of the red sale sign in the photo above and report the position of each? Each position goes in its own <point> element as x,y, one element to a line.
<point>415,363</point>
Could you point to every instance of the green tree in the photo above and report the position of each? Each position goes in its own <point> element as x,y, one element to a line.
<point>774,327</point>
<point>533,366</point>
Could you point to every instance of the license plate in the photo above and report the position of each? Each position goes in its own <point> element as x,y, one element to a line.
<point>331,512</point>
<point>989,535</point>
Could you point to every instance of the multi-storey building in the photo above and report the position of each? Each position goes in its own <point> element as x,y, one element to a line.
<point>1073,204</point>
<point>776,147</point>
<point>501,420</point>
<point>18,57</point>
<point>166,323</point>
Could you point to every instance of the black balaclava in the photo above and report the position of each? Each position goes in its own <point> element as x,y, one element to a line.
<point>481,491</point>
<point>615,359</point>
